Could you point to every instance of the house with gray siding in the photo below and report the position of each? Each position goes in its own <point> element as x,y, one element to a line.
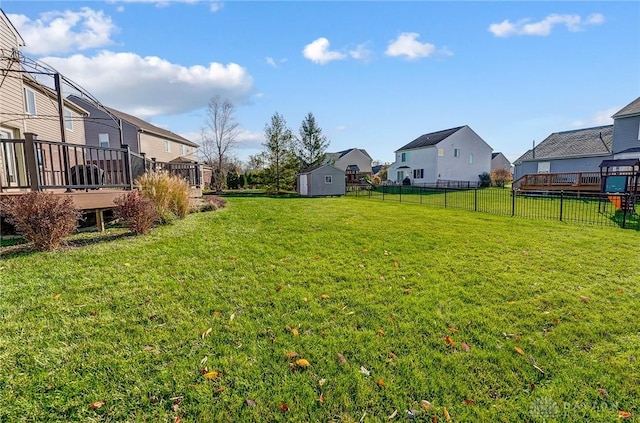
<point>321,180</point>
<point>455,154</point>
<point>102,129</point>
<point>578,150</point>
<point>626,131</point>
<point>500,161</point>
<point>355,162</point>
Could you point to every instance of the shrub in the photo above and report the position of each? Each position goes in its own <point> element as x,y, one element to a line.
<point>377,180</point>
<point>484,180</point>
<point>42,218</point>
<point>136,211</point>
<point>169,194</point>
<point>500,176</point>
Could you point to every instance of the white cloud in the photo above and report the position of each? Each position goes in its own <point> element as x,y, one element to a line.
<point>318,52</point>
<point>250,139</point>
<point>216,6</point>
<point>599,118</point>
<point>407,45</point>
<point>341,128</point>
<point>273,62</point>
<point>148,86</point>
<point>62,32</point>
<point>361,52</point>
<point>573,23</point>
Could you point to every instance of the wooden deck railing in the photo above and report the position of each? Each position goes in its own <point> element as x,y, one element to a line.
<point>48,165</point>
<point>566,181</point>
<point>43,165</point>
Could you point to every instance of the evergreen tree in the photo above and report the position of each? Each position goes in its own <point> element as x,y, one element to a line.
<point>311,146</point>
<point>279,139</point>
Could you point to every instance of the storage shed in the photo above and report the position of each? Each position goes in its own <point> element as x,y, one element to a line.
<point>321,180</point>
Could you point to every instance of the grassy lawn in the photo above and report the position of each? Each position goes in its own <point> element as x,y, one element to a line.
<point>215,318</point>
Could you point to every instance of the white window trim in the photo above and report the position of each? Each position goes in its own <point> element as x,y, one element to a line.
<point>470,158</point>
<point>68,119</point>
<point>183,150</point>
<point>29,93</point>
<point>167,146</point>
<point>107,139</point>
<point>457,152</point>
<point>440,152</point>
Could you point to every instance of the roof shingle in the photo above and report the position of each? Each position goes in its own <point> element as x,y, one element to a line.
<point>430,139</point>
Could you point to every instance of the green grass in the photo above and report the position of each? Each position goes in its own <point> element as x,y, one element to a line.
<point>126,321</point>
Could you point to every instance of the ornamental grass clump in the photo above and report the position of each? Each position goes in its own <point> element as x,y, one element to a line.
<point>169,193</point>
<point>44,219</point>
<point>137,212</point>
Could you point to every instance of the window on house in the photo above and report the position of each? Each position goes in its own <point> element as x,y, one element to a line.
<point>456,152</point>
<point>167,146</point>
<point>544,167</point>
<point>404,157</point>
<point>183,150</point>
<point>103,140</point>
<point>440,152</point>
<point>328,179</point>
<point>418,173</point>
<point>68,123</point>
<point>8,155</point>
<point>639,132</point>
<point>29,101</point>
<point>470,158</point>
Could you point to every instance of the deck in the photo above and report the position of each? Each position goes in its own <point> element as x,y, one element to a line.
<point>569,181</point>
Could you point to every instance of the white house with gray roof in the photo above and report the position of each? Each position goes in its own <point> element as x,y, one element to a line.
<point>456,154</point>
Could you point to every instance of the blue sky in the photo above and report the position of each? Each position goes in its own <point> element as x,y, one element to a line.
<point>375,74</point>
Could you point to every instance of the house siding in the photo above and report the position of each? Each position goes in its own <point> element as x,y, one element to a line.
<point>354,157</point>
<point>154,147</point>
<point>12,104</point>
<point>422,158</point>
<point>625,133</point>
<point>459,168</point>
<point>500,162</point>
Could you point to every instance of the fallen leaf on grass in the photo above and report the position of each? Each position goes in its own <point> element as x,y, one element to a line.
<point>57,296</point>
<point>407,290</point>
<point>341,358</point>
<point>220,389</point>
<point>465,347</point>
<point>425,404</point>
<point>449,341</point>
<point>364,371</point>
<point>380,332</point>
<point>211,375</point>
<point>96,405</point>
<point>469,401</point>
<point>446,414</point>
<point>295,332</point>
<point>291,354</point>
<point>584,299</point>
<point>176,404</point>
<point>381,383</point>
<point>452,329</point>
<point>603,392</point>
<point>301,362</point>
<point>178,419</point>
<point>324,296</point>
<point>392,357</point>
<point>321,398</point>
<point>250,402</point>
<point>279,288</point>
<point>434,419</point>
<point>283,407</point>
<point>206,332</point>
<point>624,414</point>
<point>393,415</point>
<point>396,264</point>
<point>518,350</point>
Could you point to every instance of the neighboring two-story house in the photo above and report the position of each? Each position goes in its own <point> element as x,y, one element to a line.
<point>456,154</point>
<point>583,150</point>
<point>102,130</point>
<point>355,162</point>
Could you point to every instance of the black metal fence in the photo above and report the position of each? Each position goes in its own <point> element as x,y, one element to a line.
<point>572,207</point>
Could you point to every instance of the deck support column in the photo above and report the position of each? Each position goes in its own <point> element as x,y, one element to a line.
<point>100,220</point>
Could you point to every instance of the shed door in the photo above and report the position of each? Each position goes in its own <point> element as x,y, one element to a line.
<point>304,190</point>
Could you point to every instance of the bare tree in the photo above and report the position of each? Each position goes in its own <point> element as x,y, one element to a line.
<point>219,137</point>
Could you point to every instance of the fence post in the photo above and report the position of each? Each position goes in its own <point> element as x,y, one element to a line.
<point>383,192</point>
<point>625,207</point>
<point>400,192</point>
<point>475,199</point>
<point>445,196</point>
<point>32,162</point>
<point>561,202</point>
<point>513,202</point>
<point>421,189</point>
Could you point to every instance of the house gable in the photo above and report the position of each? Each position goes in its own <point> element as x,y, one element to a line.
<point>626,129</point>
